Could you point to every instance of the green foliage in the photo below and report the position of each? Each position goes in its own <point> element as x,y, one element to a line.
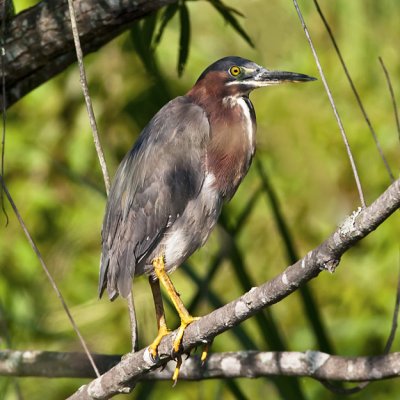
<point>230,16</point>
<point>184,38</point>
<point>53,174</point>
<point>145,40</point>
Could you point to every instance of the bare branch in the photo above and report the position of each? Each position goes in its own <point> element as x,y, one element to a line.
<point>53,364</point>
<point>242,364</point>
<point>39,42</point>
<point>123,376</point>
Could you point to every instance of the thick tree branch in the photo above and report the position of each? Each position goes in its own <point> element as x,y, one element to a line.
<point>52,364</point>
<point>242,364</point>
<point>39,43</point>
<point>123,376</point>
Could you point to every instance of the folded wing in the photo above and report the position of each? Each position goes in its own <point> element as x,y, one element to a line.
<point>153,185</point>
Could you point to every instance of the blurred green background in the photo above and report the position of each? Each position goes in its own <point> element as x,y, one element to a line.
<point>53,174</point>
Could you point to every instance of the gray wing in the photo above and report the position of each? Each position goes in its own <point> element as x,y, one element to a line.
<point>153,184</point>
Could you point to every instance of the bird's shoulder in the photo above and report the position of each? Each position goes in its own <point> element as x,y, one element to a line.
<point>179,120</point>
<point>172,143</point>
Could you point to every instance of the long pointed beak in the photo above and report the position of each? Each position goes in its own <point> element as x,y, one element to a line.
<point>266,77</point>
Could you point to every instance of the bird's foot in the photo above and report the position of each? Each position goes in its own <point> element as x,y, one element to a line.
<point>153,347</point>
<point>179,336</point>
<point>187,320</point>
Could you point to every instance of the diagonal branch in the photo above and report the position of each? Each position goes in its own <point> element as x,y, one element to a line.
<point>123,376</point>
<point>39,44</point>
<point>241,364</point>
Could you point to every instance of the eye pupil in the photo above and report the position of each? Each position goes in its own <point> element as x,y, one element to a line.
<point>235,71</point>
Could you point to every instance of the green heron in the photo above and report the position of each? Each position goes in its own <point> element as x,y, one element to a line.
<point>169,189</point>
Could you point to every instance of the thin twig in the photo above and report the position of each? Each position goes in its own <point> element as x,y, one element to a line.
<point>88,101</point>
<point>96,138</point>
<point>17,387</point>
<point>389,82</point>
<point>335,111</point>
<point>353,88</point>
<point>3,102</point>
<point>3,146</point>
<point>46,270</point>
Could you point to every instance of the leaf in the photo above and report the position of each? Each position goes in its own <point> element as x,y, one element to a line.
<point>142,34</point>
<point>227,14</point>
<point>228,8</point>
<point>135,33</point>
<point>184,39</point>
<point>168,14</point>
<point>148,29</point>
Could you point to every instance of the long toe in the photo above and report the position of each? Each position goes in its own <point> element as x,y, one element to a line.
<point>179,336</point>
<point>153,347</point>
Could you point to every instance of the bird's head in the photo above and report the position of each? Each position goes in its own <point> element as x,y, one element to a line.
<point>236,76</point>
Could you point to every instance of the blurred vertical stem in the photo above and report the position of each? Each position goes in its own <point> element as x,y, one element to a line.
<point>309,303</point>
<point>216,262</point>
<point>288,387</point>
<point>239,332</point>
<point>283,384</point>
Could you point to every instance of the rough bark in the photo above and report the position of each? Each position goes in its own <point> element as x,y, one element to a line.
<point>39,44</point>
<point>241,364</point>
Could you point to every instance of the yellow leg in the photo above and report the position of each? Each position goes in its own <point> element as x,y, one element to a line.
<point>186,318</point>
<point>160,315</point>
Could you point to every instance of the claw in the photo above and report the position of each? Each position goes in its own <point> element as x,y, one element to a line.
<point>177,368</point>
<point>204,353</point>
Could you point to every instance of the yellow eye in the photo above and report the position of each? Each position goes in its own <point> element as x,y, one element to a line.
<point>235,70</point>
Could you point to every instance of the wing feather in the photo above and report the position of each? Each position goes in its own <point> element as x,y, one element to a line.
<point>153,185</point>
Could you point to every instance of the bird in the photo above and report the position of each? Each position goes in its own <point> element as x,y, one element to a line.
<point>168,191</point>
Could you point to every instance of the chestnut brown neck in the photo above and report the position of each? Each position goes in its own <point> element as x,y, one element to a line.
<point>232,137</point>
